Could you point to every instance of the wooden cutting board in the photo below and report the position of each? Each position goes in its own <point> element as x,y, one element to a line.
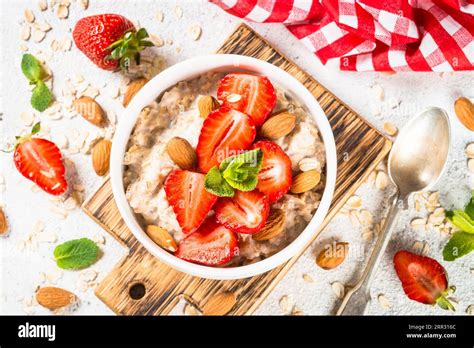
<point>141,285</point>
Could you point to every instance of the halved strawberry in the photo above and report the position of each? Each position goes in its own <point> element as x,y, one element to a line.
<point>423,279</point>
<point>246,212</point>
<point>248,93</point>
<point>275,176</point>
<point>212,244</point>
<point>225,133</point>
<point>40,161</point>
<point>191,202</point>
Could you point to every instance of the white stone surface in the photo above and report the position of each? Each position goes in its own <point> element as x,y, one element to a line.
<point>405,94</point>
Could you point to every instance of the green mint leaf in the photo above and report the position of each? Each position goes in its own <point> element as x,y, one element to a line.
<point>460,244</point>
<point>469,209</point>
<point>462,221</point>
<point>41,97</point>
<point>215,184</point>
<point>31,68</point>
<point>250,161</point>
<point>247,185</point>
<point>76,254</point>
<point>36,128</point>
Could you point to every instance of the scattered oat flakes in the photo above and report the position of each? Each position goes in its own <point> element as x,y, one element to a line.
<point>384,302</point>
<point>169,41</point>
<point>418,224</point>
<point>381,180</point>
<point>354,202</point>
<point>285,304</point>
<point>62,11</point>
<point>371,178</point>
<point>393,103</point>
<point>38,35</point>
<point>29,15</point>
<point>23,48</point>
<point>354,216</point>
<point>25,33</point>
<point>366,218</point>
<point>470,150</point>
<point>307,278</point>
<point>99,239</point>
<point>390,128</point>
<point>42,5</point>
<point>178,11</point>
<point>159,16</point>
<point>470,165</point>
<point>43,26</point>
<point>338,289</point>
<point>195,32</point>
<point>83,4</point>
<point>367,235</point>
<point>378,91</point>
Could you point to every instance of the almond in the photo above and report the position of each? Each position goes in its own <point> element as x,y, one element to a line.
<point>219,304</point>
<point>465,111</point>
<point>3,223</point>
<point>90,110</point>
<point>101,156</point>
<point>278,126</point>
<point>333,256</point>
<point>132,90</point>
<point>305,181</point>
<point>161,237</point>
<point>206,105</point>
<point>182,153</point>
<point>54,298</point>
<point>273,227</point>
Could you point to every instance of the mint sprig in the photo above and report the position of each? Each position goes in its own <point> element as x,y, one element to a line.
<point>76,254</point>
<point>461,243</point>
<point>238,172</point>
<point>33,71</point>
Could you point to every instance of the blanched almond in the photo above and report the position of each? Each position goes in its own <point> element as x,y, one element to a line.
<point>161,237</point>
<point>273,227</point>
<point>219,304</point>
<point>101,156</point>
<point>90,110</point>
<point>54,298</point>
<point>3,223</point>
<point>206,105</point>
<point>465,112</point>
<point>132,90</point>
<point>278,125</point>
<point>333,256</point>
<point>305,181</point>
<point>182,153</point>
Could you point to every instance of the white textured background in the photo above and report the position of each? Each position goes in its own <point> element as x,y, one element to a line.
<point>20,269</point>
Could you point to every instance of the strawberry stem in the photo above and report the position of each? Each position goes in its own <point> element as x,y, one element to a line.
<point>129,47</point>
<point>444,302</point>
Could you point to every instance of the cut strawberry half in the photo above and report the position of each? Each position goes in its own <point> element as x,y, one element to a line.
<point>191,202</point>
<point>275,176</point>
<point>246,212</point>
<point>40,161</point>
<point>423,279</point>
<point>225,132</point>
<point>212,244</point>
<point>251,94</point>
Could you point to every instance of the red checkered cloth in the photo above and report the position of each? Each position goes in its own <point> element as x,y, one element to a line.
<point>374,35</point>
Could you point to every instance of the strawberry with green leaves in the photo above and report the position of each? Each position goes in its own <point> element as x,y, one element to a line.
<point>423,279</point>
<point>40,161</point>
<point>110,41</point>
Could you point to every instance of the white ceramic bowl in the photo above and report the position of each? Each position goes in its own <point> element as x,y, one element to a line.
<point>185,71</point>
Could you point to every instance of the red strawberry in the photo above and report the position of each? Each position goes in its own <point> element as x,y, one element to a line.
<point>212,244</point>
<point>423,279</point>
<point>251,94</point>
<point>110,40</point>
<point>190,201</point>
<point>275,176</point>
<point>40,161</point>
<point>225,133</point>
<point>246,212</point>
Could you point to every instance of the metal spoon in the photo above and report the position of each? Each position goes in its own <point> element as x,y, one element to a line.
<point>415,163</point>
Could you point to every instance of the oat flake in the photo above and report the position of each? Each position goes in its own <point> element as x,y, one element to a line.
<point>338,289</point>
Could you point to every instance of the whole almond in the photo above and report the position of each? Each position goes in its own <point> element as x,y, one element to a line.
<point>333,256</point>
<point>465,111</point>
<point>278,125</point>
<point>273,227</point>
<point>101,156</point>
<point>219,304</point>
<point>206,105</point>
<point>54,298</point>
<point>90,110</point>
<point>161,237</point>
<point>305,181</point>
<point>132,90</point>
<point>182,153</point>
<point>3,223</point>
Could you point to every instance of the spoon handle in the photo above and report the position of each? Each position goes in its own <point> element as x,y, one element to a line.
<point>357,299</point>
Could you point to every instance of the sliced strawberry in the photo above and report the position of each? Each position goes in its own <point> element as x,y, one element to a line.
<point>212,244</point>
<point>251,94</point>
<point>40,161</point>
<point>191,203</point>
<point>423,279</point>
<point>275,176</point>
<point>246,212</point>
<point>225,133</point>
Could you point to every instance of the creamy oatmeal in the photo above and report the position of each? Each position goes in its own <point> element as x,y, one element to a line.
<point>176,114</point>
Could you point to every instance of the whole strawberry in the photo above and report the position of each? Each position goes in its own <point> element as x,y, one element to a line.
<point>110,41</point>
<point>40,161</point>
<point>423,279</point>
